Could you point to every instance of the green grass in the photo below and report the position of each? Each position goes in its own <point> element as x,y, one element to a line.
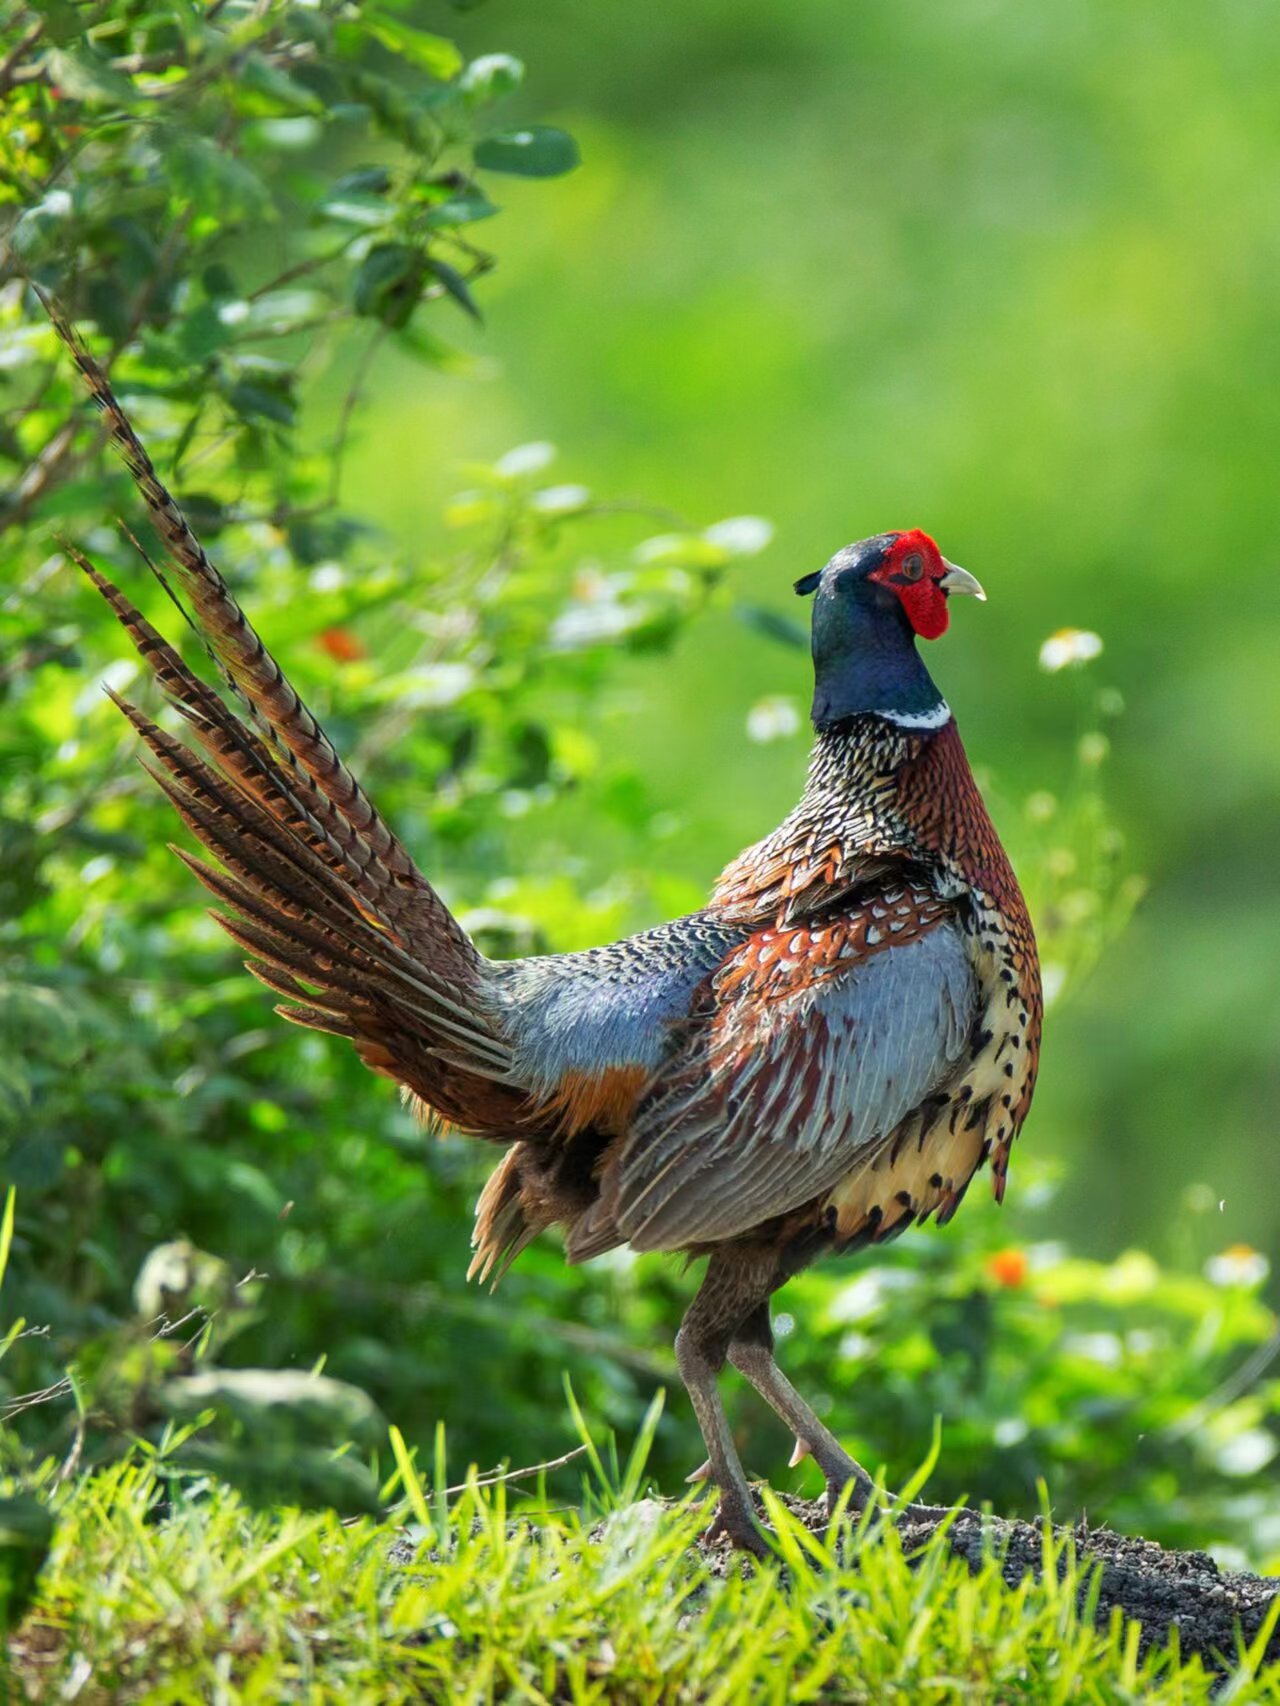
<point>483,1599</point>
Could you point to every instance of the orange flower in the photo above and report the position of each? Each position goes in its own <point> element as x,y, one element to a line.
<point>341,645</point>
<point>1008,1267</point>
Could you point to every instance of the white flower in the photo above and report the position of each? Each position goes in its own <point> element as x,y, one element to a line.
<point>525,459</point>
<point>560,500</point>
<point>1247,1453</point>
<point>1103,1348</point>
<point>1093,749</point>
<point>589,624</point>
<point>1009,1431</point>
<point>1238,1264</point>
<point>491,75</point>
<point>773,718</point>
<point>863,1297</point>
<point>740,535</point>
<point>429,687</point>
<point>1069,645</point>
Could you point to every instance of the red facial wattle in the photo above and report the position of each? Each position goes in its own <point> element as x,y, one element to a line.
<point>913,570</point>
<point>926,606</point>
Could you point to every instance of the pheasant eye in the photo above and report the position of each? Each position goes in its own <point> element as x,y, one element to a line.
<point>912,567</point>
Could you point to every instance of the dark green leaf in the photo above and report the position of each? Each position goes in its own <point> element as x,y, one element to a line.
<point>395,111</point>
<point>456,286</point>
<point>365,181</point>
<point>214,180</point>
<point>26,1534</point>
<point>252,401</point>
<point>389,283</point>
<point>34,1162</point>
<point>368,211</point>
<point>85,77</point>
<point>426,52</point>
<point>538,151</point>
<point>773,626</point>
<point>202,332</point>
<point>462,209</point>
<point>206,513</point>
<point>281,92</point>
<point>218,282</point>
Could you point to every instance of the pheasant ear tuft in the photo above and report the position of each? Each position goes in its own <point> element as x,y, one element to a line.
<point>808,583</point>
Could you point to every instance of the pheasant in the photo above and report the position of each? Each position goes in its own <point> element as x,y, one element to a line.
<point>822,1056</point>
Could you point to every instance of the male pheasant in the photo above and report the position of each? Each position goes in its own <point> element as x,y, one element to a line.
<point>822,1056</point>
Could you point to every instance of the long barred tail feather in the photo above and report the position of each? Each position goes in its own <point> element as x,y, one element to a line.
<point>292,911</point>
<point>333,911</point>
<point>229,744</point>
<point>278,712</point>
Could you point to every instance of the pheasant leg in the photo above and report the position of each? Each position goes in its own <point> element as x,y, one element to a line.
<point>756,1363</point>
<point>733,1290</point>
<point>751,1353</point>
<point>736,1514</point>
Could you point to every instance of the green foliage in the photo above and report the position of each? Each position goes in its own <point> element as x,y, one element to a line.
<point>1141,1396</point>
<point>482,1599</point>
<point>26,1534</point>
<point>270,1433</point>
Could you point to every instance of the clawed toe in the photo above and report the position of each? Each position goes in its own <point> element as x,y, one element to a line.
<point>837,1502</point>
<point>842,1473</point>
<point>915,1512</point>
<point>738,1528</point>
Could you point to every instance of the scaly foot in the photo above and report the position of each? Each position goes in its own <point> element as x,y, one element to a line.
<point>738,1526</point>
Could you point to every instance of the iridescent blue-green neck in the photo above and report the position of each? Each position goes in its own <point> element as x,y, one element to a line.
<point>865,660</point>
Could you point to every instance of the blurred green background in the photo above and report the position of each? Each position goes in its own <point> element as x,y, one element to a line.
<point>1003,273</point>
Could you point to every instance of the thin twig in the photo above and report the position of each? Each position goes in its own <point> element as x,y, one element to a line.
<point>51,460</point>
<point>164,1329</point>
<point>40,474</point>
<point>518,1474</point>
<point>1250,1370</point>
<point>300,269</point>
<point>348,407</point>
<point>13,59</point>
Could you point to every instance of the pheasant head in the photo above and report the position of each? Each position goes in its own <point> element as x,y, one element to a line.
<point>872,602</point>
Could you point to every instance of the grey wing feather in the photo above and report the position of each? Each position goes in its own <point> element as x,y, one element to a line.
<point>819,1087</point>
<point>607,1007</point>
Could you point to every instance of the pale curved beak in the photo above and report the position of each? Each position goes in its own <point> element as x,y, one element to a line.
<point>960,580</point>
